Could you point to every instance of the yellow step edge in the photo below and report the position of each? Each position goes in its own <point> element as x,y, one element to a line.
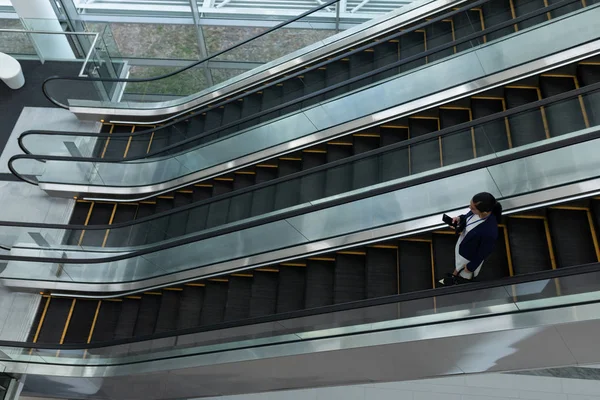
<point>572,208</point>
<point>224,179</point>
<point>203,185</point>
<point>321,258</point>
<point>558,76</point>
<point>487,98</point>
<point>166,197</point>
<point>322,68</point>
<point>154,293</point>
<point>293,264</point>
<point>339,143</point>
<point>266,166</point>
<point>218,279</point>
<point>524,87</point>
<point>353,253</point>
<point>369,50</point>
<point>528,216</point>
<point>134,297</point>
<point>112,300</point>
<point>589,63</point>
<point>267,270</point>
<point>394,41</point>
<point>185,191</point>
<point>423,117</point>
<point>245,172</point>
<point>195,284</point>
<point>415,240</point>
<point>174,289</point>
<point>373,135</point>
<point>315,151</point>
<point>290,158</point>
<point>279,84</point>
<point>147,202</point>
<point>384,246</point>
<point>243,275</point>
<point>394,126</point>
<point>445,232</point>
<point>345,59</point>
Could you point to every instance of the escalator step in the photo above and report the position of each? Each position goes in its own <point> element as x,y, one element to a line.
<point>588,75</point>
<point>569,8</point>
<point>213,308</point>
<point>197,219</point>
<point>190,307</point>
<point>338,179</point>
<point>54,321</point>
<point>293,89</point>
<point>138,145</point>
<point>117,144</point>
<point>443,255</point>
<point>231,113</point>
<point>194,126</point>
<point>527,127</point>
<point>263,200</point>
<point>349,278</point>
<point>565,116</point>
<point>217,211</point>
<point>243,181</point>
<point>238,298</point>
<point>251,105</point>
<point>81,321</point>
<point>291,288</point>
<point>492,136</point>
<point>415,265</point>
<point>157,229</point>
<point>319,283</point>
<point>264,293</point>
<point>140,231</point>
<point>271,98</point>
<point>168,312</point>
<point>127,318</point>
<point>101,215</point>
<point>313,82</point>
<point>287,167</point>
<point>525,7</point>
<point>240,207</point>
<point>178,221</point>
<point>108,318</point>
<point>381,272</point>
<point>496,265</point>
<point>424,156</point>
<point>459,146</point>
<point>495,13</point>
<point>213,120</point>
<point>361,63</point>
<point>147,315</point>
<point>174,134</point>
<point>571,237</point>
<point>528,245</point>
<point>337,72</point>
<point>201,193</point>
<point>465,24</point>
<point>125,212</point>
<point>79,216</point>
<point>439,34</point>
<point>411,44</point>
<point>386,53</point>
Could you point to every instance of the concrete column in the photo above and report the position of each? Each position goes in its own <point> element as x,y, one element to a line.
<point>39,15</point>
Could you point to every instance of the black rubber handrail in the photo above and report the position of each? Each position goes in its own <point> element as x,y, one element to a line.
<point>242,43</point>
<point>399,63</point>
<point>380,301</point>
<point>518,154</point>
<point>344,161</point>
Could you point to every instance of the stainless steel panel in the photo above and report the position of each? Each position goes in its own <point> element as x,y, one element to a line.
<point>459,73</point>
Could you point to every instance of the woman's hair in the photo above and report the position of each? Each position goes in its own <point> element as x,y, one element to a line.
<point>486,202</point>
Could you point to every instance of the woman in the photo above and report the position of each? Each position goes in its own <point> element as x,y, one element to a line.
<point>478,233</point>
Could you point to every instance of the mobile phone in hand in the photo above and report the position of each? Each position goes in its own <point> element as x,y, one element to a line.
<point>447,219</point>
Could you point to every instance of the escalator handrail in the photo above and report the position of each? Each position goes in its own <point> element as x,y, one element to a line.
<point>320,92</point>
<point>155,78</point>
<point>348,160</point>
<point>380,301</point>
<point>339,200</point>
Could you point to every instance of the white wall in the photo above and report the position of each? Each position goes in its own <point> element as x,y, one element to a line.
<point>464,387</point>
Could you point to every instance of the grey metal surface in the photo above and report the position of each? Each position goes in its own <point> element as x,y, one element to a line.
<point>156,112</point>
<point>464,74</point>
<point>493,344</point>
<point>393,214</point>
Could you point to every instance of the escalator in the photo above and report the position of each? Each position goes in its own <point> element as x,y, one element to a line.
<point>410,46</point>
<point>124,143</point>
<point>348,163</point>
<point>536,240</point>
